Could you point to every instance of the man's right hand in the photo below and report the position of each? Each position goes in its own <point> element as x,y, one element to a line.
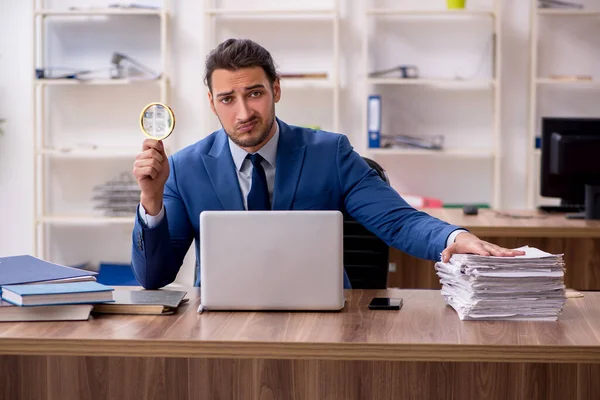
<point>151,170</point>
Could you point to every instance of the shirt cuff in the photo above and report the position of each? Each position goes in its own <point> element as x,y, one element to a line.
<point>451,237</point>
<point>151,221</point>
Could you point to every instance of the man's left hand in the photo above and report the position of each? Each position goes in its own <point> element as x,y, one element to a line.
<point>467,243</point>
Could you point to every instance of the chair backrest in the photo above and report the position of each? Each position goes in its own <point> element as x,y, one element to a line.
<point>366,257</point>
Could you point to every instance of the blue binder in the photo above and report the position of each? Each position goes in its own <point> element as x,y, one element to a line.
<point>374,121</point>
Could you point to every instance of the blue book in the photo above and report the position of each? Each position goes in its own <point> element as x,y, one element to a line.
<point>27,269</point>
<point>57,293</point>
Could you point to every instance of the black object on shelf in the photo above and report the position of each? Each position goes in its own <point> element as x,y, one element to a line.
<point>558,4</point>
<point>431,143</point>
<point>117,61</point>
<point>406,72</point>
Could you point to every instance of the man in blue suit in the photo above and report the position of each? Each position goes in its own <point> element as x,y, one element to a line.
<point>258,162</point>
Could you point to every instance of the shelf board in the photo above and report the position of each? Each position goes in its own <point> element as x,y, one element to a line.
<point>553,12</point>
<point>82,82</point>
<point>270,12</point>
<point>299,83</point>
<point>430,13</point>
<point>455,153</point>
<point>99,12</point>
<point>70,152</point>
<point>558,82</point>
<point>86,220</point>
<point>442,83</point>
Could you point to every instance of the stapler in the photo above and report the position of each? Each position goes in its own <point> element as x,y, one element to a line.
<point>470,210</point>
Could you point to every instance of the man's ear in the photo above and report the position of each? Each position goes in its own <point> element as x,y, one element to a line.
<point>276,90</point>
<point>210,100</point>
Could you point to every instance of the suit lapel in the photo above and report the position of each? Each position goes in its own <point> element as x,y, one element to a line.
<point>290,156</point>
<point>223,176</point>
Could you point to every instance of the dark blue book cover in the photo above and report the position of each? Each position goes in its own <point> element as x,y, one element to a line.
<point>26,269</point>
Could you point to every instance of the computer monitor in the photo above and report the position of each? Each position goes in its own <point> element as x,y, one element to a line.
<point>570,164</point>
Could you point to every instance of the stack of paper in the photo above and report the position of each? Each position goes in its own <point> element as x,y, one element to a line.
<point>528,287</point>
<point>118,197</point>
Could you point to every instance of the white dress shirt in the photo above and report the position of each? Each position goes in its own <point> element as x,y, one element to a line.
<point>243,168</point>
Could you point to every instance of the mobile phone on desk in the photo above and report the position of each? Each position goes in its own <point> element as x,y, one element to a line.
<point>385,303</point>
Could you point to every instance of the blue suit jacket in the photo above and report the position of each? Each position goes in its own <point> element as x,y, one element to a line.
<point>315,170</point>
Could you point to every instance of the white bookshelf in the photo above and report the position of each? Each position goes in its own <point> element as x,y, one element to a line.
<point>440,83</point>
<point>163,81</point>
<point>431,13</point>
<point>86,220</point>
<point>565,12</point>
<point>88,153</point>
<point>480,86</point>
<point>308,83</point>
<point>453,153</point>
<point>52,148</point>
<point>270,12</point>
<point>557,39</point>
<point>221,16</point>
<point>567,83</point>
<point>98,12</point>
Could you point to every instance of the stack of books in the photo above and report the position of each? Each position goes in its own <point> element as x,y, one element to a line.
<point>528,287</point>
<point>118,197</point>
<point>37,290</point>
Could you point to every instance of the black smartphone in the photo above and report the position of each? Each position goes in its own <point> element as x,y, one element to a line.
<point>385,303</point>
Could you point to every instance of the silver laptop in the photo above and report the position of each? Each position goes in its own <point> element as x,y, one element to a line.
<point>271,260</point>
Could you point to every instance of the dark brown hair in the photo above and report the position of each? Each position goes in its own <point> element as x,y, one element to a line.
<point>234,54</point>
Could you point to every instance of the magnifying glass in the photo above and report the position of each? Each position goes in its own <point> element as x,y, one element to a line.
<point>157,121</point>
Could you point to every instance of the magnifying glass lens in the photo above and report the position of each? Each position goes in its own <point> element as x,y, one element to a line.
<point>157,121</point>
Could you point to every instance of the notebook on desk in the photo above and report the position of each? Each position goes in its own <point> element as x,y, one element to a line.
<point>154,302</point>
<point>271,260</point>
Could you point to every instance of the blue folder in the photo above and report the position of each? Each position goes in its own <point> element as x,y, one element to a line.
<point>27,269</point>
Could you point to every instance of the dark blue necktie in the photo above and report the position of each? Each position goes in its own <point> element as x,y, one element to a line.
<point>258,197</point>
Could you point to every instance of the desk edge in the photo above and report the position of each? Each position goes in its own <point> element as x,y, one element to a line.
<point>522,232</point>
<point>308,351</point>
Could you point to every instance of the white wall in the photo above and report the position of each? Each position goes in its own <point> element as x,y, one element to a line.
<point>188,93</point>
<point>16,155</point>
<point>515,101</point>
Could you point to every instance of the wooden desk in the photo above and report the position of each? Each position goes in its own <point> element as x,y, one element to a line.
<point>420,352</point>
<point>578,240</point>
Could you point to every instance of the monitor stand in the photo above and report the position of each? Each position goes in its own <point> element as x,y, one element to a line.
<point>563,208</point>
<point>592,204</point>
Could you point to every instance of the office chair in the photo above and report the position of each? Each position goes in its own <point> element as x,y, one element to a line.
<point>366,257</point>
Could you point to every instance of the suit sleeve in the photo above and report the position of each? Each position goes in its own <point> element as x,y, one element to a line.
<point>157,253</point>
<point>380,209</point>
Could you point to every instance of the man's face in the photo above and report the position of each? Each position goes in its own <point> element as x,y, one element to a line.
<point>245,105</point>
